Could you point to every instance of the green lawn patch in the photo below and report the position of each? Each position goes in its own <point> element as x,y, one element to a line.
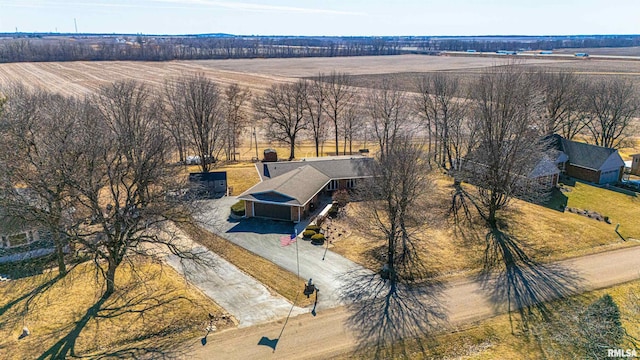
<point>620,208</point>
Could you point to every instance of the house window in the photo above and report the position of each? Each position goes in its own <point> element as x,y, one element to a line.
<point>18,240</point>
<point>3,242</point>
<point>333,185</point>
<point>351,183</point>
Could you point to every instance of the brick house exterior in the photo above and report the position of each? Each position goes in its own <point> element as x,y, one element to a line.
<point>291,190</point>
<point>592,163</point>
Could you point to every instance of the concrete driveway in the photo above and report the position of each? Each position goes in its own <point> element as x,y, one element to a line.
<point>330,272</point>
<point>248,300</point>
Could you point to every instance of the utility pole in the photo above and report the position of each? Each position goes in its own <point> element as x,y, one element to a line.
<point>76,24</point>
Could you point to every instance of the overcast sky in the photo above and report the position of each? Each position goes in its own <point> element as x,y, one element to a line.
<point>330,17</point>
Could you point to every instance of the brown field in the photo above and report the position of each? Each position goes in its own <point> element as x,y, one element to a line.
<point>615,51</point>
<point>82,77</point>
<point>78,78</point>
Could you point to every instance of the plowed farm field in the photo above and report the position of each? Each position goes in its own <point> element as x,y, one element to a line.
<point>79,78</point>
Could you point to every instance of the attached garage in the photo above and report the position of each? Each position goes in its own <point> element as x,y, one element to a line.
<point>272,211</point>
<point>289,188</point>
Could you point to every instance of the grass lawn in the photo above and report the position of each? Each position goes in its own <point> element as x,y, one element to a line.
<point>152,312</point>
<point>620,208</point>
<point>543,233</point>
<point>493,338</point>
<point>240,178</point>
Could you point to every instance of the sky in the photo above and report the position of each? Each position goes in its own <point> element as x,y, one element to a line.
<point>329,17</point>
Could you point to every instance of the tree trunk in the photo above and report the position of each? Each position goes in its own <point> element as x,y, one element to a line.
<point>335,128</point>
<point>111,278</point>
<point>59,245</point>
<point>292,149</point>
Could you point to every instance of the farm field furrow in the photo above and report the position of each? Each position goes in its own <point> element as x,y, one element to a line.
<point>77,78</point>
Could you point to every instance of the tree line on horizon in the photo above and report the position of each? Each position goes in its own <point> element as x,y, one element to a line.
<point>164,48</point>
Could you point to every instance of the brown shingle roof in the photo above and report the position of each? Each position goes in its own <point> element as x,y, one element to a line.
<point>295,187</point>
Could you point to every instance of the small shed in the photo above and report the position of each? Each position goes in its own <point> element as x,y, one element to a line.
<point>270,155</point>
<point>209,184</point>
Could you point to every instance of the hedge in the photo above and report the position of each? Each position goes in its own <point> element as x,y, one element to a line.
<point>238,208</point>
<point>317,239</point>
<point>314,228</point>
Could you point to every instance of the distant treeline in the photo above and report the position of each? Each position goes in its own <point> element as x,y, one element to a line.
<point>73,47</point>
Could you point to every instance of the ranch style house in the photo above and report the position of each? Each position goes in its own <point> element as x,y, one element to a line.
<point>290,190</point>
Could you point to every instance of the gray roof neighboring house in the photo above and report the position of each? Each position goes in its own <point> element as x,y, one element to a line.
<point>295,187</point>
<point>589,156</point>
<point>584,155</point>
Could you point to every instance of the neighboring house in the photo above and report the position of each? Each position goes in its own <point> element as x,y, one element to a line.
<point>587,162</point>
<point>290,190</point>
<point>546,172</point>
<point>19,240</point>
<point>541,170</point>
<point>635,164</point>
<point>209,184</point>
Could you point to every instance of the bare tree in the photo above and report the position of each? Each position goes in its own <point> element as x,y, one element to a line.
<point>339,96</point>
<point>442,105</point>
<point>125,181</point>
<point>402,301</point>
<point>236,117</point>
<point>563,102</point>
<point>353,120</point>
<point>611,104</point>
<point>198,101</point>
<point>284,107</point>
<point>174,121</point>
<point>394,200</point>
<point>37,131</point>
<point>316,103</point>
<point>506,151</point>
<point>388,110</point>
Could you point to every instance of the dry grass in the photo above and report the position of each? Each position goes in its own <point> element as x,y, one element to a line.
<point>544,234</point>
<point>493,338</point>
<point>153,309</point>
<point>272,276</point>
